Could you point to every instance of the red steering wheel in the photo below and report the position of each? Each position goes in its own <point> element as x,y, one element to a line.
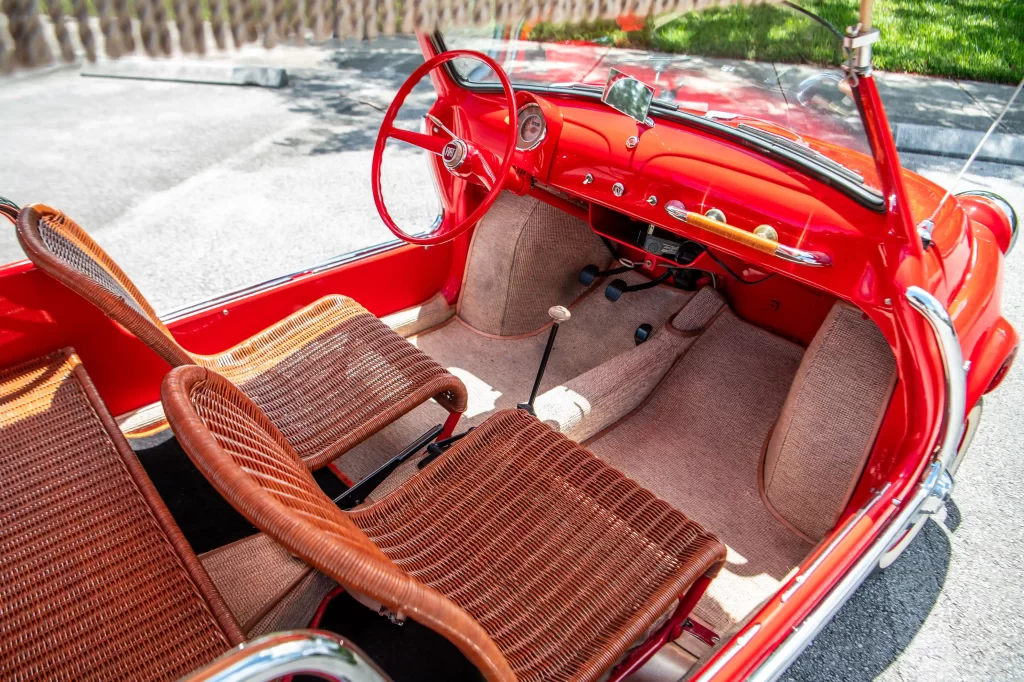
<point>462,158</point>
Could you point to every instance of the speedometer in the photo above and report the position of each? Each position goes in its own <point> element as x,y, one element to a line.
<point>532,127</point>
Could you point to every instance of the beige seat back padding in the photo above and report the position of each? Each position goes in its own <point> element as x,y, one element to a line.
<point>828,423</point>
<point>526,257</point>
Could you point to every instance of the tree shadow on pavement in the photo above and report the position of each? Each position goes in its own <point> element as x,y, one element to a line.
<point>348,96</point>
<point>872,629</point>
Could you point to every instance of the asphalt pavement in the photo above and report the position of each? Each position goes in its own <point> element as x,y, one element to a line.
<point>201,189</point>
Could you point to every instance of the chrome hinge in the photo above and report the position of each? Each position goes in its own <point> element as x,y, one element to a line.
<point>924,231</point>
<point>857,47</point>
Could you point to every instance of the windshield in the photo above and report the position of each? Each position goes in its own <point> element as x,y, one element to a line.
<point>762,96</point>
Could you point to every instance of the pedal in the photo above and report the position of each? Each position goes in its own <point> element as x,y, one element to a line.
<point>642,333</point>
<point>591,272</point>
<point>616,288</point>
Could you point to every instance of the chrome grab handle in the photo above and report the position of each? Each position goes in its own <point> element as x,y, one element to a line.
<point>816,259</point>
<point>287,653</point>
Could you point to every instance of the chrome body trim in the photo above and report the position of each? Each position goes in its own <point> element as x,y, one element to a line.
<point>1004,206</point>
<point>929,494</point>
<point>316,652</point>
<point>237,294</point>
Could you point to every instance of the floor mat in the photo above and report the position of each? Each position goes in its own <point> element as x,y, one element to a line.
<point>499,372</point>
<point>407,653</point>
<point>206,519</point>
<point>697,442</point>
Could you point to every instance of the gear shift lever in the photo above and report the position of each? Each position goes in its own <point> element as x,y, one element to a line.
<point>559,314</point>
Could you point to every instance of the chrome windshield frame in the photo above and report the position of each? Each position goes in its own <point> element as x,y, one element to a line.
<point>822,171</point>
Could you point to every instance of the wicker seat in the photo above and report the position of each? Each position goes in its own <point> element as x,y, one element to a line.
<point>330,375</point>
<point>97,582</point>
<point>535,558</point>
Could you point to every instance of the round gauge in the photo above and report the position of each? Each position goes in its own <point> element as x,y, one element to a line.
<point>532,127</point>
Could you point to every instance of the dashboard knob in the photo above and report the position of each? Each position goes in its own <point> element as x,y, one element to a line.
<point>618,189</point>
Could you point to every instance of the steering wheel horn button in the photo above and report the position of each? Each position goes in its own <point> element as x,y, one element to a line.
<point>453,154</point>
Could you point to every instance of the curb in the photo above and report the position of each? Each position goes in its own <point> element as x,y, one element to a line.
<point>959,143</point>
<point>212,73</point>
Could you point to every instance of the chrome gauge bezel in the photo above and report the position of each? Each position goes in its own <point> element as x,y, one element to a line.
<point>530,109</point>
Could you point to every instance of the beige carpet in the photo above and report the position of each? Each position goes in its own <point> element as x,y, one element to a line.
<point>697,443</point>
<point>499,372</point>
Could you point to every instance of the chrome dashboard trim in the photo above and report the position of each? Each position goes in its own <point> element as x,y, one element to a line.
<point>935,484</point>
<point>787,253</point>
<point>282,654</point>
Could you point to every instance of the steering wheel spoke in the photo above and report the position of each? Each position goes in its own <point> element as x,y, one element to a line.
<point>434,145</point>
<point>465,161</point>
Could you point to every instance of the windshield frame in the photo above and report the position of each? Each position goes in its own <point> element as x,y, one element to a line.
<point>864,195</point>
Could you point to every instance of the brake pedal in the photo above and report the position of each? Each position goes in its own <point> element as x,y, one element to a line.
<point>591,272</point>
<point>616,288</point>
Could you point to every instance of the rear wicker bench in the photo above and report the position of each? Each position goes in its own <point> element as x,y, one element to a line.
<point>96,582</point>
<point>534,557</point>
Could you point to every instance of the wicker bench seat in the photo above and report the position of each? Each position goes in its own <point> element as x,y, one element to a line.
<point>538,560</point>
<point>96,582</point>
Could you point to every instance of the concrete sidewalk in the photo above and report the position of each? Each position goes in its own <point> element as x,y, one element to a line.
<point>949,117</point>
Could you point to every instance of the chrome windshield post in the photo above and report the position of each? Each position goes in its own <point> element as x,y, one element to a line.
<point>287,653</point>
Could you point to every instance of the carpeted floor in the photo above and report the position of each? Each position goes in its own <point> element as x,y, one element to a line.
<point>499,372</point>
<point>697,443</point>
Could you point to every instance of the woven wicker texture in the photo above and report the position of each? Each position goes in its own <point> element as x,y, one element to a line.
<point>97,582</point>
<point>536,559</point>
<point>329,375</point>
<point>254,575</point>
<point>697,441</point>
<point>297,607</point>
<point>816,452</point>
<point>526,257</point>
<point>23,41</point>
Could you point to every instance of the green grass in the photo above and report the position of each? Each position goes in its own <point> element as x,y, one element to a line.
<point>971,39</point>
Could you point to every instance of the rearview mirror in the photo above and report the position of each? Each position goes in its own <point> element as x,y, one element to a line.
<point>624,93</point>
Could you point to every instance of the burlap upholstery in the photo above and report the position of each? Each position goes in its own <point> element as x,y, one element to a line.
<point>586,404</point>
<point>97,581</point>
<point>525,258</point>
<point>330,375</point>
<point>254,575</point>
<point>696,442</point>
<point>817,452</point>
<point>496,545</point>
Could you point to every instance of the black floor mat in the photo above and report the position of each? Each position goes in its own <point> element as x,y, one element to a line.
<point>407,653</point>
<point>205,518</point>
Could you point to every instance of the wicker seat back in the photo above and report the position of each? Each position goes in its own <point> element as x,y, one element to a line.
<point>62,249</point>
